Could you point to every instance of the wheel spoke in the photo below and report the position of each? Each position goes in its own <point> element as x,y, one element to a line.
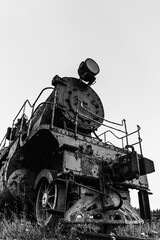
<point>51,187</point>
<point>51,196</point>
<point>46,188</point>
<point>46,200</point>
<point>49,204</point>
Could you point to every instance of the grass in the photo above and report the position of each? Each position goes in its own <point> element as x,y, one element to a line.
<point>19,229</point>
<point>22,229</point>
<point>146,230</point>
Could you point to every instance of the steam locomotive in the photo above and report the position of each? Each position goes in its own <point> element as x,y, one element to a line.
<point>56,160</point>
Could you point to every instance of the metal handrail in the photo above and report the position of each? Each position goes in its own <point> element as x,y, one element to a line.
<point>22,110</point>
<point>80,104</point>
<point>3,142</point>
<point>33,106</point>
<point>118,124</point>
<point>122,124</point>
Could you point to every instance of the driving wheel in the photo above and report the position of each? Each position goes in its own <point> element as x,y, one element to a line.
<point>47,198</point>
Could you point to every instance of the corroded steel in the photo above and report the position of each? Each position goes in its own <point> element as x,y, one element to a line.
<point>52,161</point>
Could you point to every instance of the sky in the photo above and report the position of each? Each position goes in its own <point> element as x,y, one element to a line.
<point>42,38</point>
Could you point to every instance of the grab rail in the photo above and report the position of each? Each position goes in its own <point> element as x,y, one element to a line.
<point>33,106</point>
<point>22,115</point>
<point>108,124</point>
<point>104,134</point>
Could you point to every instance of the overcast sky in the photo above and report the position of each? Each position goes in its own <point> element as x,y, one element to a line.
<point>42,38</point>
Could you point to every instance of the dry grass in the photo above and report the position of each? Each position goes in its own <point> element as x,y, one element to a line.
<point>146,230</point>
<point>22,229</point>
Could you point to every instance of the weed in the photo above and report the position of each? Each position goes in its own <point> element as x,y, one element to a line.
<point>23,229</point>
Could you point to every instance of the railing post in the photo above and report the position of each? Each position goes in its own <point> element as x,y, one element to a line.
<point>32,106</point>
<point>29,125</point>
<point>139,139</point>
<point>125,126</point>
<point>122,143</point>
<point>10,137</point>
<point>105,137</point>
<point>22,120</point>
<point>54,108</point>
<point>76,120</point>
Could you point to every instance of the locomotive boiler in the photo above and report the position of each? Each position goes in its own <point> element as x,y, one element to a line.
<point>57,160</point>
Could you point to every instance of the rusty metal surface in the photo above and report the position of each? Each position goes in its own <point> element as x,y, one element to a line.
<point>70,91</point>
<point>20,184</point>
<point>93,177</point>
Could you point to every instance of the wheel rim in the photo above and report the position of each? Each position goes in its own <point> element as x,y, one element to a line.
<point>46,200</point>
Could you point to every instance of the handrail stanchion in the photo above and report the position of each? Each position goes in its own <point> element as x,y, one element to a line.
<point>3,141</point>
<point>105,138</point>
<point>54,108</point>
<point>30,121</point>
<point>79,104</point>
<point>76,120</point>
<point>23,108</point>
<point>10,137</point>
<point>139,139</point>
<point>122,124</point>
<point>125,126</point>
<point>22,121</point>
<point>122,143</point>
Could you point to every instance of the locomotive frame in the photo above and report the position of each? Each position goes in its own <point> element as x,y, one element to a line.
<point>57,161</point>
